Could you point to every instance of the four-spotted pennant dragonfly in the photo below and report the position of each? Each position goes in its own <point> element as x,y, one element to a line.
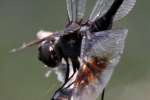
<point>87,51</point>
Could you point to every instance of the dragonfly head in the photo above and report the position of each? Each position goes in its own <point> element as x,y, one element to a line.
<point>48,54</point>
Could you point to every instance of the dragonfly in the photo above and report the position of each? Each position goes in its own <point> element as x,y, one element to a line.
<point>85,53</point>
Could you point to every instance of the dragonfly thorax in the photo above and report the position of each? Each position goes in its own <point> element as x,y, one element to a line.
<point>72,28</point>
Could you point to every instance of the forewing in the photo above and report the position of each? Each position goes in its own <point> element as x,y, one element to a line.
<point>81,8</point>
<point>76,9</point>
<point>100,8</point>
<point>72,9</point>
<point>107,42</point>
<point>41,36</point>
<point>125,8</point>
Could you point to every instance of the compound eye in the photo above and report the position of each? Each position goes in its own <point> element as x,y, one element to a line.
<point>48,55</point>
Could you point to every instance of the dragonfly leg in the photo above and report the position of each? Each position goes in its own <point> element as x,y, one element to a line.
<point>103,94</point>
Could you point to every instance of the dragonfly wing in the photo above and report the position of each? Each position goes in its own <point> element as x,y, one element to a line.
<point>100,8</point>
<point>72,9</point>
<point>107,44</point>
<point>41,36</point>
<point>76,9</point>
<point>125,8</point>
<point>81,9</point>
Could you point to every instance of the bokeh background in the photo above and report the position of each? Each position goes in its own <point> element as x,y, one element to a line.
<point>22,75</point>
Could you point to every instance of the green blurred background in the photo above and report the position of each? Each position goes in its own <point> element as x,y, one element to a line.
<point>22,75</point>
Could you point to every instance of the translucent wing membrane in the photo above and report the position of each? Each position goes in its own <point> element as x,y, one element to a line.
<point>107,42</point>
<point>41,36</point>
<point>76,9</point>
<point>81,9</point>
<point>125,8</point>
<point>107,46</point>
<point>104,53</point>
<point>72,10</point>
<point>100,8</point>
